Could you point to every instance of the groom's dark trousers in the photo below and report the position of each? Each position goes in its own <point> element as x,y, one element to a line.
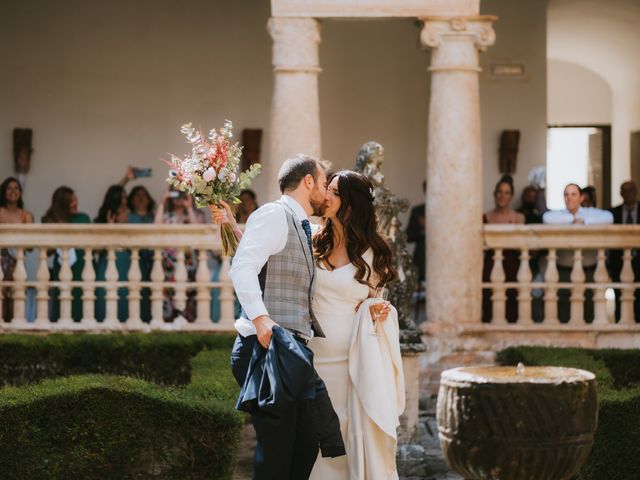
<point>288,448</point>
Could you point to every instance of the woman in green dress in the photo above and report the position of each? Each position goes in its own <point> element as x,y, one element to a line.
<point>64,209</point>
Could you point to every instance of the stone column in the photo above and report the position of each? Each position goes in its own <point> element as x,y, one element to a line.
<point>295,108</point>
<point>454,168</point>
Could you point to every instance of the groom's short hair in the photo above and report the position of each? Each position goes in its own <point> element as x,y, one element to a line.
<point>294,169</point>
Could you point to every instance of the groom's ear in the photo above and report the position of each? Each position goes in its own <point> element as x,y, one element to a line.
<point>309,180</point>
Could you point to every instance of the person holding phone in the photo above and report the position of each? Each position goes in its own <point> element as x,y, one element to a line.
<point>176,207</point>
<point>131,173</point>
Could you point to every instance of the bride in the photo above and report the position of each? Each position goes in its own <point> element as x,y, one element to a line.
<point>359,360</point>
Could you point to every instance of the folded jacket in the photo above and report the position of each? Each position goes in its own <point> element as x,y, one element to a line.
<point>283,374</point>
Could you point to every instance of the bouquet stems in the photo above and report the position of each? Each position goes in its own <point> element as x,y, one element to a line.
<point>229,240</point>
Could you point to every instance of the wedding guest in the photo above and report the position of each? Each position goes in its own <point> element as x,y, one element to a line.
<point>502,213</point>
<point>11,211</point>
<point>416,234</point>
<point>588,198</point>
<point>528,205</point>
<point>538,179</point>
<point>113,210</point>
<point>574,214</point>
<point>176,207</point>
<point>627,213</point>
<point>64,209</point>
<point>248,205</point>
<point>537,258</point>
<point>142,209</point>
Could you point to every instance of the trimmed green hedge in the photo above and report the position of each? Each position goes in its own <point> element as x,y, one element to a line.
<point>110,427</point>
<point>615,454</point>
<point>158,357</point>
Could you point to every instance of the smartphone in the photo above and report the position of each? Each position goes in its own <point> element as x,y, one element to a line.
<point>141,172</point>
<point>177,194</point>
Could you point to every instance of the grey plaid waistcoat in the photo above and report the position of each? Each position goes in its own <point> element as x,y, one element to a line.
<point>287,281</point>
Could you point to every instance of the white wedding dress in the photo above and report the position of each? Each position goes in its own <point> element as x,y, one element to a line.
<point>336,296</point>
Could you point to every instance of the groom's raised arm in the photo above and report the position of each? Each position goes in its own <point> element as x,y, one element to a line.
<point>265,234</point>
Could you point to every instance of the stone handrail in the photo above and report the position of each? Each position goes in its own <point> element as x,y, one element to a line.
<point>586,253</point>
<point>32,289</point>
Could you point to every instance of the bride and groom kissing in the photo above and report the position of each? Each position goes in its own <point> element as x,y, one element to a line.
<point>317,354</point>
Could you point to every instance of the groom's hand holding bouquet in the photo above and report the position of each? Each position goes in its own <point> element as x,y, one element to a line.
<point>211,174</point>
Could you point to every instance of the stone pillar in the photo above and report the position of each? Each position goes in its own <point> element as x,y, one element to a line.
<point>454,168</point>
<point>295,108</point>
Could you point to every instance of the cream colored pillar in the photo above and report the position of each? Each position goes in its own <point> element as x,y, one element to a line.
<point>295,108</point>
<point>454,168</point>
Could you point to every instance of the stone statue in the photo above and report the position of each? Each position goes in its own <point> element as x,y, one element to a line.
<point>388,206</point>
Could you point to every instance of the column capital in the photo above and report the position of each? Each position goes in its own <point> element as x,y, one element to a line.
<point>295,44</point>
<point>437,30</point>
<point>456,41</point>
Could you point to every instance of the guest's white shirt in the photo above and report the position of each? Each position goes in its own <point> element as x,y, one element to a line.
<point>590,215</point>
<point>265,235</point>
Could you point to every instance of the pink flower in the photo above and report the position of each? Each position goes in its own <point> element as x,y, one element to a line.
<point>209,174</point>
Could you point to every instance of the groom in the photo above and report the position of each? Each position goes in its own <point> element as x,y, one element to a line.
<point>273,274</point>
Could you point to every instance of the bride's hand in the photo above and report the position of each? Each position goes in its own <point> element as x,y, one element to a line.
<point>382,308</point>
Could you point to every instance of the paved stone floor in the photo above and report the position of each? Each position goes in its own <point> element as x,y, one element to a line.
<point>435,467</point>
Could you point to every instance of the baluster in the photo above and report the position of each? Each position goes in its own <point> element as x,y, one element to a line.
<point>524,289</point>
<point>42,292</point>
<point>19,277</point>
<point>65,322</point>
<point>88,292</point>
<point>5,296</point>
<point>601,276</point>
<point>111,292</point>
<point>2,324</point>
<point>134,322</point>
<point>498,296</point>
<point>227,317</point>
<point>577,289</point>
<point>203,297</point>
<point>180,290</point>
<point>157,297</point>
<point>551,278</point>
<point>626,294</point>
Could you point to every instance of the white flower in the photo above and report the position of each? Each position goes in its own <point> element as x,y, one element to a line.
<point>232,177</point>
<point>209,174</point>
<point>222,174</point>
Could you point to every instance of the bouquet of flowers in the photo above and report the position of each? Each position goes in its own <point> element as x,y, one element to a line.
<point>210,173</point>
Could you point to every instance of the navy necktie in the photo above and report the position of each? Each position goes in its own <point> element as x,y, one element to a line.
<point>629,219</point>
<point>306,226</point>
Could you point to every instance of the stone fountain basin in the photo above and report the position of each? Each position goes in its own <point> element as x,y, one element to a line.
<point>510,423</point>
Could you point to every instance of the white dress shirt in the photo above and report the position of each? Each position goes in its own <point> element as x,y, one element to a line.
<point>265,235</point>
<point>590,215</point>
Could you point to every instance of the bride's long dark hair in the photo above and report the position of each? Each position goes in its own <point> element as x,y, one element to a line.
<point>358,217</point>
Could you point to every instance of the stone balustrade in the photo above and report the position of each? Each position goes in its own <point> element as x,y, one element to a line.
<point>540,274</point>
<point>49,285</point>
<point>542,285</point>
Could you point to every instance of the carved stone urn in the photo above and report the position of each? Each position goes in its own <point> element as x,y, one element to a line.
<point>517,423</point>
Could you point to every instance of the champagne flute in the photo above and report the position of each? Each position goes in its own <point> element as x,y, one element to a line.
<point>381,293</point>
